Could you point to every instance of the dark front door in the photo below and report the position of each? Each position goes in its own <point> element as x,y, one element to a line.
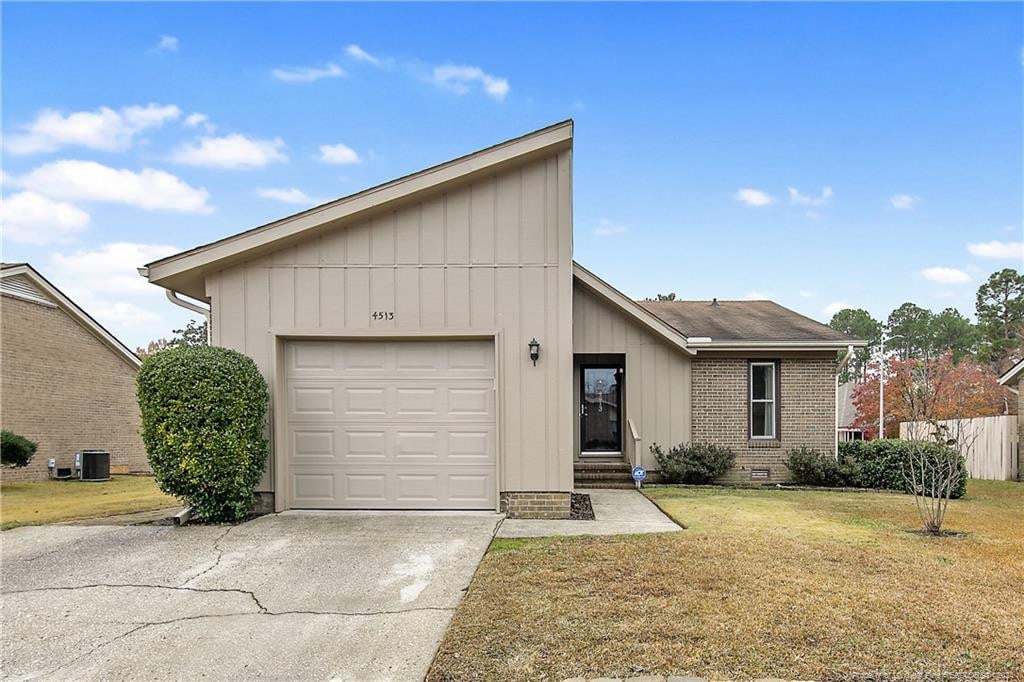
<point>601,409</point>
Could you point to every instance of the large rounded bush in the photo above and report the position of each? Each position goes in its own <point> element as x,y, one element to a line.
<point>881,463</point>
<point>16,451</point>
<point>203,416</point>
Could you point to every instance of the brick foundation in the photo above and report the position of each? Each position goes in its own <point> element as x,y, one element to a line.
<point>536,505</point>
<point>806,401</point>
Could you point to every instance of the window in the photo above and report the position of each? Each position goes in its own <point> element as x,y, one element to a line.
<point>763,400</point>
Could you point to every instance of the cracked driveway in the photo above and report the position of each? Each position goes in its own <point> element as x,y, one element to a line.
<point>297,596</point>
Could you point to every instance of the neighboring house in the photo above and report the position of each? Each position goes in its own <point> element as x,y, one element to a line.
<point>1014,380</point>
<point>847,414</point>
<point>67,383</point>
<point>395,325</point>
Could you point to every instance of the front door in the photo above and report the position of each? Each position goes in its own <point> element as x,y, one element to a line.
<point>601,410</point>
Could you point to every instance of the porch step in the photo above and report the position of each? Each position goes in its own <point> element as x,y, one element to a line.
<point>600,466</point>
<point>615,485</point>
<point>606,475</point>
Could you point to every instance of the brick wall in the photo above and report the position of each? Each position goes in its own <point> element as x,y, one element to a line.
<point>720,412</point>
<point>1020,431</point>
<point>536,505</point>
<point>64,389</point>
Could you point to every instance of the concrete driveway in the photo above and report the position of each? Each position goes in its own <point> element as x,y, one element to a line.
<point>296,596</point>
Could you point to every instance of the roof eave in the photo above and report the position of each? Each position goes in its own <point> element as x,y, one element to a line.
<point>779,345</point>
<point>541,142</point>
<point>1013,374</point>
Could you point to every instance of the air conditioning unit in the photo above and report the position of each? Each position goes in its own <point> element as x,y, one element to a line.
<point>93,465</point>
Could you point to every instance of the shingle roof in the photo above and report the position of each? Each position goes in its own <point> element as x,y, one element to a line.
<point>741,321</point>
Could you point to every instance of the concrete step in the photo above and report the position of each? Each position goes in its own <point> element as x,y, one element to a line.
<point>615,485</point>
<point>600,466</point>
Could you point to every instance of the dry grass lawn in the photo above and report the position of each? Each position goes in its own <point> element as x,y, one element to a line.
<point>32,503</point>
<point>791,584</point>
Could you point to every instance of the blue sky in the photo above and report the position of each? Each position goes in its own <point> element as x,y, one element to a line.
<point>816,154</point>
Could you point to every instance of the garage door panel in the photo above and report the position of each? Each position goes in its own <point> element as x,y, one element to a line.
<point>402,425</point>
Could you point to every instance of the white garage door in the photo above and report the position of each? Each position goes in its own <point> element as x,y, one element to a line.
<point>391,425</point>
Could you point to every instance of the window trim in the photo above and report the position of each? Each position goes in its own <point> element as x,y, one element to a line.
<point>775,400</point>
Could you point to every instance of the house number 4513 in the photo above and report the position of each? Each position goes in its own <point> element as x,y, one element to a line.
<point>383,315</point>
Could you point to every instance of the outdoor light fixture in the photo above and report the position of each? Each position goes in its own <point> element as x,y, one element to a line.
<point>534,350</point>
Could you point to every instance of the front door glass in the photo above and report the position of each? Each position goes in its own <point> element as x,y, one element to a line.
<point>601,410</point>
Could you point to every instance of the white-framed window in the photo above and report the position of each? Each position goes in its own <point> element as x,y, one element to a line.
<point>763,400</point>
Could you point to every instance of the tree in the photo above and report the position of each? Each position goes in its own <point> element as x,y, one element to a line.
<point>194,334</point>
<point>908,329</point>
<point>967,388</point>
<point>671,296</point>
<point>152,347</point>
<point>859,324</point>
<point>951,331</point>
<point>1000,309</point>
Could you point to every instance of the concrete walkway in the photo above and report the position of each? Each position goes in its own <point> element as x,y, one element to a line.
<point>616,512</point>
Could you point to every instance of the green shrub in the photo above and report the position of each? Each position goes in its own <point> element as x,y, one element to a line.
<point>881,463</point>
<point>203,415</point>
<point>693,463</point>
<point>16,451</point>
<point>810,467</point>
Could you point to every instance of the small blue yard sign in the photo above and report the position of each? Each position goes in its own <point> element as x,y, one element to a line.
<point>639,473</point>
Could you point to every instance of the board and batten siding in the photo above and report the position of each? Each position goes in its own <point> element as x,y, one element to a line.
<point>490,255</point>
<point>657,393</point>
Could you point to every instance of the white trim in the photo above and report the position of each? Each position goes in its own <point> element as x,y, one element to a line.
<point>544,141</point>
<point>768,401</point>
<point>68,306</point>
<point>1012,374</point>
<point>778,345</point>
<point>630,307</point>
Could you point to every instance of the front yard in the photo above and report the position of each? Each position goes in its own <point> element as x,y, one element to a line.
<point>791,584</point>
<point>31,503</point>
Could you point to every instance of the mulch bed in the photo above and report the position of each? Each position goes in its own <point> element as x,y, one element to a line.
<point>581,509</point>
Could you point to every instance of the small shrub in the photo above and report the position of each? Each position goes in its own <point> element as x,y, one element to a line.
<point>693,463</point>
<point>810,467</point>
<point>881,463</point>
<point>16,451</point>
<point>203,414</point>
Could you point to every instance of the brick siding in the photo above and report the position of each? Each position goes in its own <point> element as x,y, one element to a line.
<point>1020,431</point>
<point>63,388</point>
<point>536,505</point>
<point>720,412</point>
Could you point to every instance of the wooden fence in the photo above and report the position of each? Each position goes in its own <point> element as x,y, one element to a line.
<point>994,454</point>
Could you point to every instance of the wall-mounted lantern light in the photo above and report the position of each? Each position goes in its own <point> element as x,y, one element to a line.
<point>534,350</point>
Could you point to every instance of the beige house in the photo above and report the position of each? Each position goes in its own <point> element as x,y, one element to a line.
<point>67,383</point>
<point>431,344</point>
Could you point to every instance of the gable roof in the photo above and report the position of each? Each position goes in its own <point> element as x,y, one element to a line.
<point>183,271</point>
<point>21,280</point>
<point>1013,375</point>
<point>630,307</point>
<point>747,324</point>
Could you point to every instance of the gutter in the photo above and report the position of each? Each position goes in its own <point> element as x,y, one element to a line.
<point>842,363</point>
<point>175,298</point>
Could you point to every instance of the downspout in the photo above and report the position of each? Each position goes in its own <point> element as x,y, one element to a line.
<point>842,363</point>
<point>174,298</point>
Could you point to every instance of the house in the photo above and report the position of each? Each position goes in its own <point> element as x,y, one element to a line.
<point>67,383</point>
<point>847,414</point>
<point>431,344</point>
<point>1012,379</point>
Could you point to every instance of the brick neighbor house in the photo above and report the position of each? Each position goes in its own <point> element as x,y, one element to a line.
<point>431,344</point>
<point>65,381</point>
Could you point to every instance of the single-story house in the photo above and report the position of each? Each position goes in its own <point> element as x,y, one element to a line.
<point>67,383</point>
<point>431,344</point>
<point>1013,379</point>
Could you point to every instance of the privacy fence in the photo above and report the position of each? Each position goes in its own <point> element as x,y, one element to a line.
<point>995,453</point>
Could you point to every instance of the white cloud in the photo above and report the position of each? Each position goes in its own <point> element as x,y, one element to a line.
<point>903,201</point>
<point>308,74</point>
<point>997,249</point>
<point>459,79</point>
<point>166,44</point>
<point>753,197</point>
<point>103,129</point>
<point>339,154</point>
<point>803,293</point>
<point>31,218</point>
<point>291,195</point>
<point>105,282</point>
<point>834,307</point>
<point>945,275</point>
<point>149,188</point>
<point>361,55</point>
<point>795,197</point>
<point>607,228</point>
<point>756,295</point>
<point>231,151</point>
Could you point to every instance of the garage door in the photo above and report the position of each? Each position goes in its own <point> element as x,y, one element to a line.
<point>391,425</point>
